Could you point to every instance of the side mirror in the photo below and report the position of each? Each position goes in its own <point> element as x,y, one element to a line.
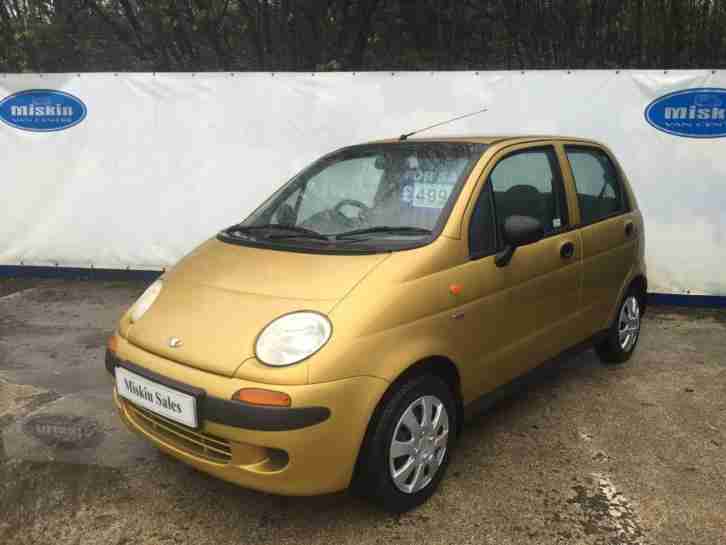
<point>518,231</point>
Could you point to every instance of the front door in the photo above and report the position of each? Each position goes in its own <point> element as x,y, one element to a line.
<point>527,309</point>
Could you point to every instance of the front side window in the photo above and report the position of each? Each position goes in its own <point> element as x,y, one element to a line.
<point>599,193</point>
<point>528,183</point>
<point>383,192</point>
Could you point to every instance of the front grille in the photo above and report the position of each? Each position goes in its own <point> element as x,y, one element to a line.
<point>199,444</point>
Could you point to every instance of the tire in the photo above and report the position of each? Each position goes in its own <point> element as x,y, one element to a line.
<point>622,337</point>
<point>419,461</point>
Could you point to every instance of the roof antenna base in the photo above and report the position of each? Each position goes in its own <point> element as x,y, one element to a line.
<point>405,136</point>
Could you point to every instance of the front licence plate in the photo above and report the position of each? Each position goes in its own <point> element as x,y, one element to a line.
<point>157,398</point>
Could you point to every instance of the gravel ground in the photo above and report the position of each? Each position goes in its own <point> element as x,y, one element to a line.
<point>589,455</point>
<point>13,285</point>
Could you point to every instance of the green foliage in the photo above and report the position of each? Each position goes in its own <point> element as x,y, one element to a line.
<point>308,35</point>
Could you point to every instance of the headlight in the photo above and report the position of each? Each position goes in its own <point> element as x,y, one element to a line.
<point>144,302</point>
<point>292,338</point>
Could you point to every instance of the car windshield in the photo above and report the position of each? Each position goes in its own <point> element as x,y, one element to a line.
<point>375,191</point>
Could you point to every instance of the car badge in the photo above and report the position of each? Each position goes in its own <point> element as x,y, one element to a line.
<point>174,342</point>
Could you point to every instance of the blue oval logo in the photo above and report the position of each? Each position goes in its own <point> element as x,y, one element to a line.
<point>42,110</point>
<point>694,113</point>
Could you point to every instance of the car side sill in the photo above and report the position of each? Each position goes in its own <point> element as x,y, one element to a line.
<point>522,383</point>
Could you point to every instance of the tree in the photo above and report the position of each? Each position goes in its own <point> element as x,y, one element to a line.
<point>311,35</point>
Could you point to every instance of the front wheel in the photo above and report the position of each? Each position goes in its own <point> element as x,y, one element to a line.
<point>407,449</point>
<point>622,337</point>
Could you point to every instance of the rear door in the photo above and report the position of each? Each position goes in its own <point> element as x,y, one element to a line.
<point>528,309</point>
<point>607,226</point>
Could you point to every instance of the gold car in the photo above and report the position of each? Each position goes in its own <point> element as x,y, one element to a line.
<point>339,335</point>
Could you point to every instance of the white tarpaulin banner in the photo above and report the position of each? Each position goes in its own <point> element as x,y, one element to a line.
<point>149,165</point>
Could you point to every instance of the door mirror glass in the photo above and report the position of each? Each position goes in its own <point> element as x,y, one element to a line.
<point>522,230</point>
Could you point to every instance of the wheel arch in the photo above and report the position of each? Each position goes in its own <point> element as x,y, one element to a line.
<point>639,284</point>
<point>439,366</point>
<point>443,368</point>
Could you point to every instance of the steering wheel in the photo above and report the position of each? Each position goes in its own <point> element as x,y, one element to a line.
<point>364,208</point>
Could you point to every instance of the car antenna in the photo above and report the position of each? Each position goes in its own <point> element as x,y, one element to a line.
<point>406,135</point>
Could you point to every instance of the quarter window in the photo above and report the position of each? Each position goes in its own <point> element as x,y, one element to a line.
<point>482,234</point>
<point>599,193</point>
<point>528,183</point>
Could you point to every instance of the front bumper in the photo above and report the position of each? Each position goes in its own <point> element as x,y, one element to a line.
<point>309,448</point>
<point>233,413</point>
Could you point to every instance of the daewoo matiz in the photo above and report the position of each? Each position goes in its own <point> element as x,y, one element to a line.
<point>341,333</point>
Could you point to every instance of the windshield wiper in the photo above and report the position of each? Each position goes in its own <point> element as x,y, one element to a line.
<point>293,231</point>
<point>384,229</point>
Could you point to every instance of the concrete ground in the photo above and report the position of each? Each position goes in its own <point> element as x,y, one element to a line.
<point>589,455</point>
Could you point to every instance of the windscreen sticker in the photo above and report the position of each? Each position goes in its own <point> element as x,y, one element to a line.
<point>427,195</point>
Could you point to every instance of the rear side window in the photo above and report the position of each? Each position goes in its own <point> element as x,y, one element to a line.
<point>528,183</point>
<point>599,192</point>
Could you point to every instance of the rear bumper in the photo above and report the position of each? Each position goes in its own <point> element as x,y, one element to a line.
<point>295,452</point>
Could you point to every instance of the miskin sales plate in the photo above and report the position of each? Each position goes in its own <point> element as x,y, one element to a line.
<point>157,398</point>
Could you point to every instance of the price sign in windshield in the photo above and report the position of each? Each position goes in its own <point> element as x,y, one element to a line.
<point>427,195</point>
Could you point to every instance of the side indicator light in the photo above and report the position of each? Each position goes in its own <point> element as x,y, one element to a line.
<point>455,289</point>
<point>258,396</point>
<point>112,343</point>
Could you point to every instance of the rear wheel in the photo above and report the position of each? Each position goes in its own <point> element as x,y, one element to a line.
<point>407,449</point>
<point>622,337</point>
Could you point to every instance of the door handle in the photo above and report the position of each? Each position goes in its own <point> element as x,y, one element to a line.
<point>629,229</point>
<point>567,250</point>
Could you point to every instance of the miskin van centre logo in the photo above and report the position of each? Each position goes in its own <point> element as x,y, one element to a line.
<point>42,110</point>
<point>693,113</point>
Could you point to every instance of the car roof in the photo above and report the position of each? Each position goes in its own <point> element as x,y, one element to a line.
<point>492,139</point>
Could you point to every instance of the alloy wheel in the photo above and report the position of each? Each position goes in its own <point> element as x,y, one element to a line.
<point>419,444</point>
<point>629,323</point>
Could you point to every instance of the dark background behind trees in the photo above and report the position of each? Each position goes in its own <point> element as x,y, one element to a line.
<point>312,35</point>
